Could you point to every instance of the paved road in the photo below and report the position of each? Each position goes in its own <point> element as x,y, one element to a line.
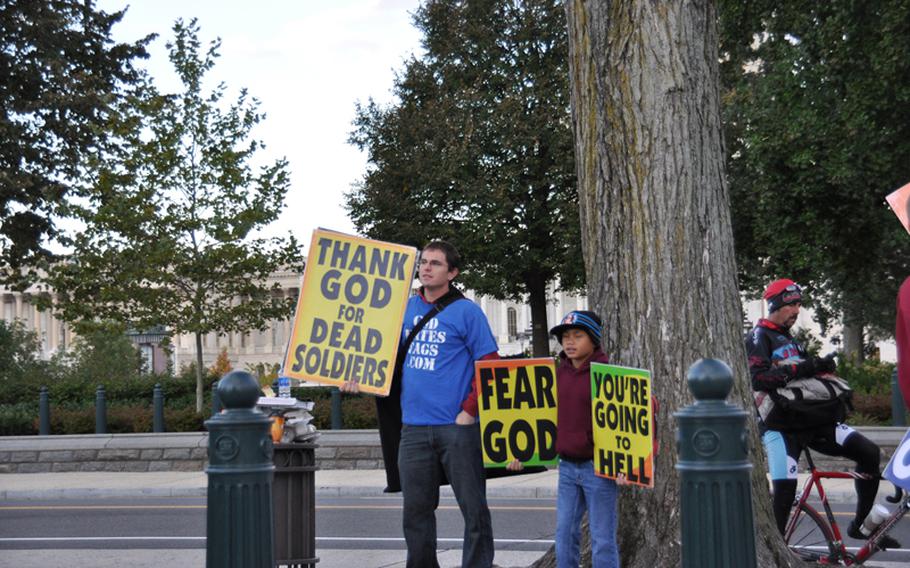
<point>523,527</point>
<point>366,525</point>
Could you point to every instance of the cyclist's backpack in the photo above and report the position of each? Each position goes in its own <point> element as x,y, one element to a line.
<point>805,403</point>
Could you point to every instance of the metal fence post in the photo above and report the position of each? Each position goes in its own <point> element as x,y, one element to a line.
<point>158,413</point>
<point>100,411</point>
<point>898,407</point>
<point>337,423</point>
<point>44,413</point>
<point>240,474</point>
<point>714,473</point>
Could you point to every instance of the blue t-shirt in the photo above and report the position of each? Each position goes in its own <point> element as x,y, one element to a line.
<point>439,365</point>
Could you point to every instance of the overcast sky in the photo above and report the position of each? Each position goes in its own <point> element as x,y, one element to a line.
<point>308,62</point>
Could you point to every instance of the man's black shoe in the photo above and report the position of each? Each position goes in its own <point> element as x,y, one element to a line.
<point>886,541</point>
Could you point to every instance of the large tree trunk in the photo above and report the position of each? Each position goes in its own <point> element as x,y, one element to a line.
<point>537,297</point>
<point>656,233</point>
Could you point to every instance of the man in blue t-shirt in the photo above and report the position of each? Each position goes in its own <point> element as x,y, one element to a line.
<point>439,431</point>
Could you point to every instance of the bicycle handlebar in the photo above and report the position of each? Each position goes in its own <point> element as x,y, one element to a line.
<point>898,494</point>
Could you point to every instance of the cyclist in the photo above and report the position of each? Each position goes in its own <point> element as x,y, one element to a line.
<point>775,359</point>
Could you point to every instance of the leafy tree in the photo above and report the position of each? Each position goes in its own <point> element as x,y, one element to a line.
<point>173,212</point>
<point>478,150</point>
<point>61,75</point>
<point>99,354</point>
<point>222,364</point>
<point>658,240</point>
<point>818,119</point>
<point>19,349</point>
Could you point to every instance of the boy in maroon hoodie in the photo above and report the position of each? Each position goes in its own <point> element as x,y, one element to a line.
<point>579,489</point>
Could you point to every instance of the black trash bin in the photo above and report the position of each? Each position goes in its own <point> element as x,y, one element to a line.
<point>294,505</point>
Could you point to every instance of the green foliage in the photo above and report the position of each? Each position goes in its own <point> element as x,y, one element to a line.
<point>870,377</point>
<point>19,349</point>
<point>810,342</point>
<point>19,419</point>
<point>818,131</point>
<point>61,75</point>
<point>478,149</point>
<point>172,211</point>
<point>98,355</point>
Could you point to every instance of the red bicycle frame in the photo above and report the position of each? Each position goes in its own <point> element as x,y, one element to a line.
<point>841,555</point>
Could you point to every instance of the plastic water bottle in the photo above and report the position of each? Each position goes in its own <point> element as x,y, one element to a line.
<point>876,516</point>
<point>284,387</point>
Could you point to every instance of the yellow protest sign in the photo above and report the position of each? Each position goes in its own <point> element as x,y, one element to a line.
<point>349,314</point>
<point>517,405</point>
<point>621,415</point>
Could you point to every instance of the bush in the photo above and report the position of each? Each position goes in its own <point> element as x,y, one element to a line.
<point>870,377</point>
<point>871,410</point>
<point>19,419</point>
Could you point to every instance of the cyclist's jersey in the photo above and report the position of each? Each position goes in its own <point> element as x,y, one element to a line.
<point>774,356</point>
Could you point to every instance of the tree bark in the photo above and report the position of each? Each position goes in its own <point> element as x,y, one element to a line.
<point>853,340</point>
<point>656,233</point>
<point>200,373</point>
<point>537,297</point>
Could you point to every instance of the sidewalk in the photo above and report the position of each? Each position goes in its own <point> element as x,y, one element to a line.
<point>329,483</point>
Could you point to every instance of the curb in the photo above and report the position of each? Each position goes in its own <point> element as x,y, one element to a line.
<point>325,491</point>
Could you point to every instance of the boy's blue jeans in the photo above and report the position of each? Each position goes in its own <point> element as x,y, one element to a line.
<point>580,489</point>
<point>456,450</point>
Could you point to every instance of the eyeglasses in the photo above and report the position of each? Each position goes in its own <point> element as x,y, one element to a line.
<point>433,263</point>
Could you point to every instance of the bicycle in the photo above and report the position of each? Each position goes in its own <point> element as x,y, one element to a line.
<point>815,538</point>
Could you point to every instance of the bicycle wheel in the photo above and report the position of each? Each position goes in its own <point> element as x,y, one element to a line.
<point>811,538</point>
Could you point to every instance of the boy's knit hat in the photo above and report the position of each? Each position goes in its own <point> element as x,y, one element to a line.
<point>781,293</point>
<point>578,319</point>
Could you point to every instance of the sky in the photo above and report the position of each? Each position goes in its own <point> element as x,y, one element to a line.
<point>308,62</point>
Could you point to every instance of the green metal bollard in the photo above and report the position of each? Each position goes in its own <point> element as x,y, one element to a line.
<point>240,474</point>
<point>44,413</point>
<point>158,410</point>
<point>898,407</point>
<point>714,473</point>
<point>100,411</point>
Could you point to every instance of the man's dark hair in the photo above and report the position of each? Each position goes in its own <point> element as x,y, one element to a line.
<point>453,259</point>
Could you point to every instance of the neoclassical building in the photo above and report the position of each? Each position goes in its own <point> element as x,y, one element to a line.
<point>510,322</point>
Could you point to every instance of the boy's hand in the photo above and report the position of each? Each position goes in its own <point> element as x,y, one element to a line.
<point>515,465</point>
<point>464,419</point>
<point>621,480</point>
<point>350,387</point>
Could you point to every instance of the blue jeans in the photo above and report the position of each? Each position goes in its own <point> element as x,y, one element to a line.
<point>580,489</point>
<point>424,453</point>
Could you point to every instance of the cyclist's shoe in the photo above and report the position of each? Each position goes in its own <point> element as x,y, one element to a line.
<point>885,541</point>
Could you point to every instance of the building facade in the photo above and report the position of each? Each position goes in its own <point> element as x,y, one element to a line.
<point>510,322</point>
